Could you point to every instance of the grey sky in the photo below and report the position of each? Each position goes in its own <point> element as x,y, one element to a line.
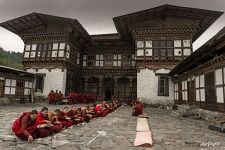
<point>95,15</point>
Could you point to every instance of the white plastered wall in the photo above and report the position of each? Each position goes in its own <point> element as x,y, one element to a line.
<point>147,87</point>
<point>54,79</point>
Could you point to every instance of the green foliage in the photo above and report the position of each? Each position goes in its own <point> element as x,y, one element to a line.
<point>11,59</point>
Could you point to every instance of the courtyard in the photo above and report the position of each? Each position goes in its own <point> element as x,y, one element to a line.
<point>116,131</point>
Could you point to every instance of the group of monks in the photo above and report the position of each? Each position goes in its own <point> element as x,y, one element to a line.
<point>34,124</point>
<point>75,98</point>
<point>138,107</point>
<point>55,97</point>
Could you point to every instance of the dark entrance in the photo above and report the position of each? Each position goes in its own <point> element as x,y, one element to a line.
<point>108,88</point>
<point>108,95</point>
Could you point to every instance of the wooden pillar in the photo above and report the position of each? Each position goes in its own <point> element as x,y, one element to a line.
<point>100,85</point>
<point>86,84</point>
<point>131,87</point>
<point>115,87</point>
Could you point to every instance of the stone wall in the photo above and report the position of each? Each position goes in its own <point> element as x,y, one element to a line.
<point>186,110</point>
<point>147,88</point>
<point>54,79</point>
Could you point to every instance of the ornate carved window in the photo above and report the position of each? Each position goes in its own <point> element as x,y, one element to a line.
<point>84,60</point>
<point>177,52</point>
<point>34,47</point>
<point>186,43</point>
<point>61,54</point>
<point>54,53</point>
<point>220,84</point>
<point>55,46</point>
<point>62,46</point>
<point>10,87</point>
<point>200,88</point>
<point>26,54</point>
<point>140,52</point>
<point>186,51</point>
<point>177,43</point>
<point>27,47</point>
<point>78,58</point>
<point>99,60</point>
<point>140,44</point>
<point>117,58</point>
<point>148,44</point>
<point>148,52</point>
<point>32,54</point>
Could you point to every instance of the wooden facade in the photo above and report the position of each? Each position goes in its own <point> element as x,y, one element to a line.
<point>16,84</point>
<point>202,75</point>
<point>107,64</point>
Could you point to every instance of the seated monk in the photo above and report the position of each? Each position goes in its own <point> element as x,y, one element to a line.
<point>53,117</point>
<point>101,110</point>
<point>129,102</point>
<point>87,117</point>
<point>82,113</point>
<point>75,118</point>
<point>114,104</point>
<point>91,111</point>
<point>66,121</point>
<point>87,112</point>
<point>138,109</point>
<point>118,104</point>
<point>44,126</point>
<point>25,126</point>
<point>51,97</point>
<point>98,110</point>
<point>107,106</point>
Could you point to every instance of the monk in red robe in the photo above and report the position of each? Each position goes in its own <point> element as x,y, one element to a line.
<point>44,126</point>
<point>64,119</point>
<point>53,117</point>
<point>25,126</point>
<point>107,106</point>
<point>75,118</point>
<point>138,109</point>
<point>90,112</point>
<point>129,102</point>
<point>101,110</point>
<point>51,97</point>
<point>60,97</point>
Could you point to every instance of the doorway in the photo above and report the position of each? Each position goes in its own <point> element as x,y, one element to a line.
<point>108,95</point>
<point>108,88</point>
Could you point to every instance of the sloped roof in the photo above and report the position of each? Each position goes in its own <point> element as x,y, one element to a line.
<point>34,19</point>
<point>207,18</point>
<point>14,71</point>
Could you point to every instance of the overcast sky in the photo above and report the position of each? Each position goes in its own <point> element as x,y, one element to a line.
<point>95,15</point>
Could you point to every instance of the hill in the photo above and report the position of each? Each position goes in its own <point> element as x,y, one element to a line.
<point>11,59</point>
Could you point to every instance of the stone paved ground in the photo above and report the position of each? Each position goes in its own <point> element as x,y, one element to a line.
<point>114,132</point>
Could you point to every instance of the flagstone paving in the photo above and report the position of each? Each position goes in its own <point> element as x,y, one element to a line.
<point>115,132</point>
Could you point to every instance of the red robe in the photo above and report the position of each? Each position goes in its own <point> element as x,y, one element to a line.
<point>76,119</point>
<point>24,126</point>
<point>71,98</point>
<point>43,132</point>
<point>51,98</point>
<point>65,122</point>
<point>137,110</point>
<point>57,127</point>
